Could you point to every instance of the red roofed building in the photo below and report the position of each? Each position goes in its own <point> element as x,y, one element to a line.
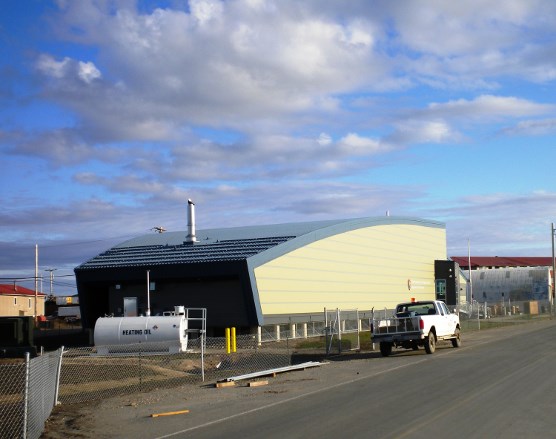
<point>502,261</point>
<point>16,301</point>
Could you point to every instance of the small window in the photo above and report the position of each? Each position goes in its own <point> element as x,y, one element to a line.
<point>29,303</point>
<point>15,301</point>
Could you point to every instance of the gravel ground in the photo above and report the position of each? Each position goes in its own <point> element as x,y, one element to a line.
<point>127,416</point>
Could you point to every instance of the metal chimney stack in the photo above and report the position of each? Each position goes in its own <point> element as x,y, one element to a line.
<point>190,238</point>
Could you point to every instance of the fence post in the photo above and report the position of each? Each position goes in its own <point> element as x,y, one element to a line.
<point>358,330</point>
<point>26,395</point>
<point>339,331</point>
<point>140,369</point>
<point>371,324</point>
<point>58,373</point>
<point>203,341</point>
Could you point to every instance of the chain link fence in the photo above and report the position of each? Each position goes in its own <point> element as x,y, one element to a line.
<point>29,389</point>
<point>479,315</point>
<point>27,394</point>
<point>87,375</point>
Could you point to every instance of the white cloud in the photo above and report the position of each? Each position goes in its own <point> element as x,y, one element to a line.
<point>504,224</point>
<point>538,127</point>
<point>488,107</point>
<point>68,69</point>
<point>224,102</point>
<point>324,139</point>
<point>355,144</point>
<point>423,131</point>
<point>206,10</point>
<point>88,72</point>
<point>50,67</point>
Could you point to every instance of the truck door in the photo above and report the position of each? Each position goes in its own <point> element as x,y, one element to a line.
<point>448,319</point>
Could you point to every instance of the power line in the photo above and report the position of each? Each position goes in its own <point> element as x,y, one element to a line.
<point>87,242</point>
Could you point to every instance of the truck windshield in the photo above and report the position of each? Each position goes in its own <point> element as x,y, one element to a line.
<point>417,309</point>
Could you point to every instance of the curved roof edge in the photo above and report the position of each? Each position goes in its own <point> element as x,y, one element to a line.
<point>335,228</point>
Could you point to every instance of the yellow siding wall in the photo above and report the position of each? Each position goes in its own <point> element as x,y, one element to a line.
<point>361,269</point>
<point>13,306</point>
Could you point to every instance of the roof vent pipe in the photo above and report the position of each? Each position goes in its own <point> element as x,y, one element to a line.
<point>190,238</point>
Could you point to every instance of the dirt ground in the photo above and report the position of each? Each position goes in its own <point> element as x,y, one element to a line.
<point>100,419</point>
<point>128,416</point>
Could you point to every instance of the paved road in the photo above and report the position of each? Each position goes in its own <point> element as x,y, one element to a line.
<point>500,383</point>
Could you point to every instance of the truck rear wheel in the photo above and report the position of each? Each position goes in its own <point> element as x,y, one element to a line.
<point>385,348</point>
<point>430,343</point>
<point>456,341</point>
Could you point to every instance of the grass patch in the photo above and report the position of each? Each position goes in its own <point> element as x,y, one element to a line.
<point>500,322</point>
<point>349,341</point>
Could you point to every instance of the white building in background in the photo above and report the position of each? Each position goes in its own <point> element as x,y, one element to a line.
<point>515,284</point>
<point>502,279</point>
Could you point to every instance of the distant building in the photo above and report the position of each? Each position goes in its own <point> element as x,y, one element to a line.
<point>509,279</point>
<point>18,301</point>
<point>254,276</point>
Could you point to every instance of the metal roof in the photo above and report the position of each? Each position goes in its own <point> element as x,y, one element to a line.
<point>17,290</point>
<point>227,250</point>
<point>254,243</point>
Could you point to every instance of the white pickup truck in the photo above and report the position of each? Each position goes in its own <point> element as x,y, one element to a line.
<point>417,324</point>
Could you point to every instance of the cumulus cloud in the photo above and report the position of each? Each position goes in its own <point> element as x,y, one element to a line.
<point>68,69</point>
<point>221,62</point>
<point>358,145</point>
<point>324,139</point>
<point>284,108</point>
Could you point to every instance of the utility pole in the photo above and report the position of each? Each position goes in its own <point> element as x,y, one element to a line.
<point>52,270</point>
<point>553,289</point>
<point>36,279</point>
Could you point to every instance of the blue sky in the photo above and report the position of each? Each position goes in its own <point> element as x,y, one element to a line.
<point>114,113</point>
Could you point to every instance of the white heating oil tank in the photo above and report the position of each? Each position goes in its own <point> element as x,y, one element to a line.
<point>168,333</point>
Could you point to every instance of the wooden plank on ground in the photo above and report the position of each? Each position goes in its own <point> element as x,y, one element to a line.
<point>225,384</point>
<point>179,412</point>
<point>257,383</point>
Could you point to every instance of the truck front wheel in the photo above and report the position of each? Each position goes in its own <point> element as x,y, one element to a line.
<point>430,343</point>
<point>385,348</point>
